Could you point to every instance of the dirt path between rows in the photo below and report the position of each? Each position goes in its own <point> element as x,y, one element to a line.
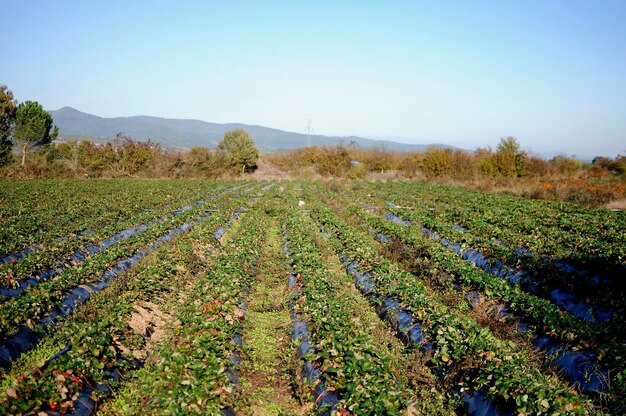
<point>268,171</point>
<point>266,374</point>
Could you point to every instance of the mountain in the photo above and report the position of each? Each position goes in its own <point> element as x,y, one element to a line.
<point>181,133</point>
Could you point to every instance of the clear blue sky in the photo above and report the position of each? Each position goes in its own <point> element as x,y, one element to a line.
<point>551,73</point>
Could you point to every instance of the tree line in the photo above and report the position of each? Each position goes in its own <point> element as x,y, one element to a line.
<point>28,150</point>
<point>124,157</point>
<point>507,168</point>
<point>508,160</point>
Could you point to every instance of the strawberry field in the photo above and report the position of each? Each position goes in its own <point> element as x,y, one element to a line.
<point>122,297</point>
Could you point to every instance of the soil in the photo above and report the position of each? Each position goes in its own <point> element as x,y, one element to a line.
<point>149,320</point>
<point>619,205</point>
<point>267,171</point>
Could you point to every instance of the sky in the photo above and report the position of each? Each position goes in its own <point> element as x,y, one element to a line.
<point>463,73</point>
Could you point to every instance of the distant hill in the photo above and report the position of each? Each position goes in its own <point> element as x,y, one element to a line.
<point>181,133</point>
<point>550,155</point>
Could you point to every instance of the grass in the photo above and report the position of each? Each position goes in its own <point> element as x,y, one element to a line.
<point>267,370</point>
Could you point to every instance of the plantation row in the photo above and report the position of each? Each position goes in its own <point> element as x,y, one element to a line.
<point>585,352</point>
<point>190,297</point>
<point>124,292</point>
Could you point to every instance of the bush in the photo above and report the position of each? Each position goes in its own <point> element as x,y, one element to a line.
<point>462,165</point>
<point>357,171</point>
<point>133,157</point>
<point>334,161</point>
<point>437,162</point>
<point>536,166</point>
<point>410,164</point>
<point>565,165</point>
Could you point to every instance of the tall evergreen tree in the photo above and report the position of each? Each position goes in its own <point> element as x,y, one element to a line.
<point>32,128</point>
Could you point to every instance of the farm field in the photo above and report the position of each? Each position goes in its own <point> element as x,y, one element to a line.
<point>125,297</point>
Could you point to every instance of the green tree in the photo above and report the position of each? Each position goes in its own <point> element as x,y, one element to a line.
<point>507,161</point>
<point>238,150</point>
<point>509,157</point>
<point>32,128</point>
<point>8,106</point>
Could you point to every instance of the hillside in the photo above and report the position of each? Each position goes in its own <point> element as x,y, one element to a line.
<point>182,133</point>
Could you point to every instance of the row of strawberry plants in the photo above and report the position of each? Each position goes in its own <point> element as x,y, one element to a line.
<point>195,371</point>
<point>480,361</point>
<point>325,398</point>
<point>99,233</point>
<point>27,336</point>
<point>588,238</point>
<point>579,365</point>
<point>47,296</point>
<point>491,232</point>
<point>102,346</point>
<point>560,336</point>
<point>93,220</point>
<point>341,357</point>
<point>589,355</point>
<point>51,259</point>
<point>544,313</point>
<point>568,352</point>
<point>38,212</point>
<point>575,294</point>
<point>45,264</point>
<point>408,330</point>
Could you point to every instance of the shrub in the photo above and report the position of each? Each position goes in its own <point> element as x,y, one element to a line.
<point>437,162</point>
<point>566,165</point>
<point>334,161</point>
